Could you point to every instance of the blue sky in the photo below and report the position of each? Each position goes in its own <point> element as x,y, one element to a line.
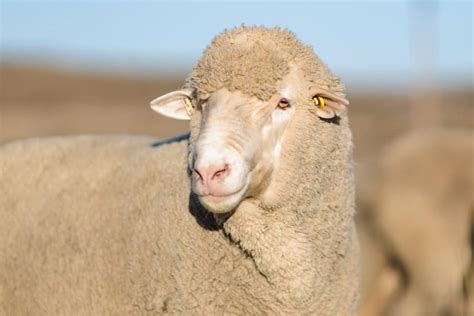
<point>364,42</point>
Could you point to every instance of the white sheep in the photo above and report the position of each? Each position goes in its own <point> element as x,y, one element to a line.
<point>423,219</point>
<point>252,215</point>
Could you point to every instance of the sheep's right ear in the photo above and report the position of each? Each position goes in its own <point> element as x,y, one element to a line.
<point>328,104</point>
<point>177,104</point>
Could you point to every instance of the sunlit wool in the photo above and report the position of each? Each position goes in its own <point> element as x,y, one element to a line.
<point>108,225</point>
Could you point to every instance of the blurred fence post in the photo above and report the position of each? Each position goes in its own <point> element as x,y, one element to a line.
<point>426,96</point>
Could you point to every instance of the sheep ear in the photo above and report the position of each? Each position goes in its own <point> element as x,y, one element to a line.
<point>177,104</point>
<point>328,105</point>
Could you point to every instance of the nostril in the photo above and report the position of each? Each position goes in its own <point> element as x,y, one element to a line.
<point>211,174</point>
<point>199,174</point>
<point>221,172</point>
<point>218,174</point>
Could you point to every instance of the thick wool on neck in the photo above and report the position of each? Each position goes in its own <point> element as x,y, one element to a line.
<point>298,238</point>
<point>301,236</point>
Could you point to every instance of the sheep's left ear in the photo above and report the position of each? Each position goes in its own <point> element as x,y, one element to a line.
<point>177,104</point>
<point>328,105</point>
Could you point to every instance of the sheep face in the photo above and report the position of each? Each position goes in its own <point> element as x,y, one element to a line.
<point>237,139</point>
<point>243,95</point>
<point>237,147</point>
<point>237,144</point>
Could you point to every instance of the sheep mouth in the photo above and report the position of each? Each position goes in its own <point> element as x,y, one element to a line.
<point>221,195</point>
<point>218,197</point>
<point>222,203</point>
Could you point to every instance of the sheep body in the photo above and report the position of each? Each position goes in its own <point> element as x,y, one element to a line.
<point>103,247</point>
<point>109,225</point>
<point>85,230</point>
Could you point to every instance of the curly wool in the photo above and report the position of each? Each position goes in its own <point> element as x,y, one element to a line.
<point>252,60</point>
<point>117,219</point>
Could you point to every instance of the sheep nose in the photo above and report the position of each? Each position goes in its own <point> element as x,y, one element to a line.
<point>212,175</point>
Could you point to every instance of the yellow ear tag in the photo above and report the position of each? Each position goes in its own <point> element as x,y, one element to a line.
<point>319,101</point>
<point>188,105</point>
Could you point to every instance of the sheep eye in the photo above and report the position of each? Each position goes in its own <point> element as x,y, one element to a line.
<point>283,104</point>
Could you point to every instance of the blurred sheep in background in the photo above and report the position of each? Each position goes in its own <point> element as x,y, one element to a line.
<point>422,222</point>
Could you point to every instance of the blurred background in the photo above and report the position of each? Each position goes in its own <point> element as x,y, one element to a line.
<point>75,67</point>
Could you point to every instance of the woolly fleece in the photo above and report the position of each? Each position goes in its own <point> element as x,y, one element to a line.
<point>253,59</point>
<point>109,225</point>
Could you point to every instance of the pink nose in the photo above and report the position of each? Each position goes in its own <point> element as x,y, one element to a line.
<point>212,176</point>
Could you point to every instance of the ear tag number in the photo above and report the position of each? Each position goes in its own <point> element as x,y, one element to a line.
<point>319,101</point>
<point>188,105</point>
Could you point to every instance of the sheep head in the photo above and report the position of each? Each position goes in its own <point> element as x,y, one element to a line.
<point>241,99</point>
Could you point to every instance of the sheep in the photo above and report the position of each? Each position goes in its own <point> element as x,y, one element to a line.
<point>423,221</point>
<point>253,214</point>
